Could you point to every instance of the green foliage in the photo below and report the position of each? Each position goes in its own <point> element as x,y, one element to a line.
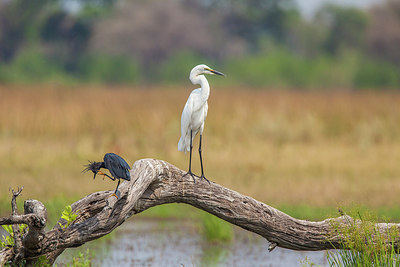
<point>31,66</point>
<point>214,255</point>
<point>173,210</point>
<point>367,246</point>
<point>281,68</point>
<point>306,262</point>
<point>307,212</point>
<point>42,262</point>
<point>55,206</point>
<point>177,68</point>
<point>346,27</point>
<point>69,216</point>
<point>8,229</point>
<point>100,68</point>
<point>275,68</point>
<point>9,240</point>
<point>82,260</point>
<point>253,19</point>
<point>372,74</point>
<point>23,228</point>
<point>215,229</point>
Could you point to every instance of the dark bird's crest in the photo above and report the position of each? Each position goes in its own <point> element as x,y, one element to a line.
<point>93,166</point>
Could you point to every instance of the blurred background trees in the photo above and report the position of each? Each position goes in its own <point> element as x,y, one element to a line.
<point>257,43</point>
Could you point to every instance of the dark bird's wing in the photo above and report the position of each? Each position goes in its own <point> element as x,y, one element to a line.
<point>117,166</point>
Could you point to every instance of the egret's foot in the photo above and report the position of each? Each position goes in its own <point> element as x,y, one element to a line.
<point>203,177</point>
<point>191,174</point>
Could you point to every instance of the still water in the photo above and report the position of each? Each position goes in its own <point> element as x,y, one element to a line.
<point>147,242</point>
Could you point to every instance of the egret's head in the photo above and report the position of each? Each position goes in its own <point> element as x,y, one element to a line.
<point>94,167</point>
<point>204,69</point>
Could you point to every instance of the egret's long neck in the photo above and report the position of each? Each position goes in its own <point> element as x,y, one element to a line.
<point>205,87</point>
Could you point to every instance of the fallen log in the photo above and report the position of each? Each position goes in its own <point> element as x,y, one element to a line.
<point>156,182</point>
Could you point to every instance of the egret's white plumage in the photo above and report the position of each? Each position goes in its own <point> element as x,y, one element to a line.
<point>195,110</point>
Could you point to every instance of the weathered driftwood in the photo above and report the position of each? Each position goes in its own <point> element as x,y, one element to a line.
<point>155,182</point>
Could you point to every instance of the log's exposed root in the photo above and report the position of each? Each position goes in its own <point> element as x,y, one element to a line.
<point>155,182</point>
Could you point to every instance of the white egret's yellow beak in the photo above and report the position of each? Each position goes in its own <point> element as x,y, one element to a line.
<point>216,72</point>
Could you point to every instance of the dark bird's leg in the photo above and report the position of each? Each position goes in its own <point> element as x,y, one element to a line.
<point>112,178</point>
<point>190,159</point>
<point>105,174</point>
<point>201,162</point>
<point>116,189</point>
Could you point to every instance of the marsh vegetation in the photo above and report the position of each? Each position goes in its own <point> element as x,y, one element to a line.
<point>289,149</point>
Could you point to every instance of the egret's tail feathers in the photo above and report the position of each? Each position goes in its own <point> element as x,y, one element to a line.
<point>184,144</point>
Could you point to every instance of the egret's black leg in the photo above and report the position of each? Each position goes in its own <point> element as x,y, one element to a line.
<point>190,159</point>
<point>201,162</point>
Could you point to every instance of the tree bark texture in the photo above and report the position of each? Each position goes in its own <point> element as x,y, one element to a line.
<point>155,182</point>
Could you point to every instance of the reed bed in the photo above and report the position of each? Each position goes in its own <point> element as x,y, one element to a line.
<point>321,149</point>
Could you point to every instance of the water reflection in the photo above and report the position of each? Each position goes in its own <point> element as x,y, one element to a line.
<point>214,255</point>
<point>146,242</point>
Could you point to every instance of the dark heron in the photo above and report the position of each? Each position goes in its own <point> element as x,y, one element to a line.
<point>117,166</point>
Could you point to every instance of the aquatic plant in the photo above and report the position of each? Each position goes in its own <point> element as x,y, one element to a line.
<point>82,260</point>
<point>215,229</point>
<point>367,246</point>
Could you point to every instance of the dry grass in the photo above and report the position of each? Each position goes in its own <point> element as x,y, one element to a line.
<point>320,149</point>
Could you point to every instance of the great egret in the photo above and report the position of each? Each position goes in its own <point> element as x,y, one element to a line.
<point>117,166</point>
<point>195,113</point>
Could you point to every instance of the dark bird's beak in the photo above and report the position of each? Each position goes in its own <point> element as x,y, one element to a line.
<point>94,176</point>
<point>217,72</point>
